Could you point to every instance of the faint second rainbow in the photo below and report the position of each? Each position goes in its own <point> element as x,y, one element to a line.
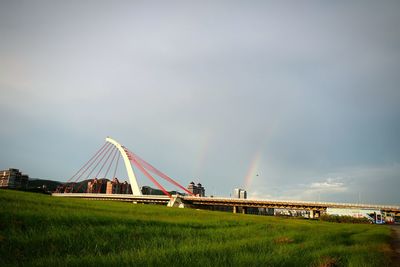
<point>252,171</point>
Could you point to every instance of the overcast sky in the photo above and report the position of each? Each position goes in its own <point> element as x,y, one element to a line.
<point>290,100</point>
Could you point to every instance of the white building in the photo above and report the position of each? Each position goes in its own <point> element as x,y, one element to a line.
<point>374,215</point>
<point>239,193</point>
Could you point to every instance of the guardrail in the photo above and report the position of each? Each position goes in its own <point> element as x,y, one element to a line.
<point>117,197</point>
<point>229,201</point>
<point>260,202</point>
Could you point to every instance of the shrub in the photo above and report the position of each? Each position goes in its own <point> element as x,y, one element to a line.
<point>343,219</point>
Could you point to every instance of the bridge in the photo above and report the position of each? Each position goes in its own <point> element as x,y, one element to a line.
<point>107,154</point>
<point>232,203</point>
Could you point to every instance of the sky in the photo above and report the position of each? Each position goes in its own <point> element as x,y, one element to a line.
<point>287,99</point>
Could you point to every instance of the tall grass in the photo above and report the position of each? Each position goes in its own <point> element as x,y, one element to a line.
<point>40,230</point>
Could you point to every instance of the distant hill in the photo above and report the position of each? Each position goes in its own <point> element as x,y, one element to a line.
<point>46,185</point>
<point>49,185</point>
<point>147,190</point>
<point>35,184</point>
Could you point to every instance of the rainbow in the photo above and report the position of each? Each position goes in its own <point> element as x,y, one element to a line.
<point>202,153</point>
<point>252,171</point>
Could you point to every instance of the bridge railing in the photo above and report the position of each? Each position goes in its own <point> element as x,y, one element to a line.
<point>314,203</point>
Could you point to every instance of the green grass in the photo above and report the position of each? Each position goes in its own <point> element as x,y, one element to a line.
<point>40,230</point>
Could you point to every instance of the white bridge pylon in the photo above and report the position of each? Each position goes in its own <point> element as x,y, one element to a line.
<point>131,175</point>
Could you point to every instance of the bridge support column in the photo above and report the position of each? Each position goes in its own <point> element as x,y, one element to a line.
<point>176,201</point>
<point>244,210</point>
<point>234,209</point>
<point>311,214</point>
<point>317,214</point>
<point>270,211</point>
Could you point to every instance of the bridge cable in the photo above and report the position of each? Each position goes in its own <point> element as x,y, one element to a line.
<point>112,161</point>
<point>143,170</point>
<point>109,166</point>
<point>102,166</point>
<point>69,180</point>
<point>87,168</point>
<point>159,173</point>
<point>91,163</point>
<point>97,164</point>
<point>104,163</point>
<point>116,165</point>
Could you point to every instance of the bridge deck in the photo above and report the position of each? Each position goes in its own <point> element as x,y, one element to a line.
<point>284,204</point>
<point>161,199</point>
<point>213,201</point>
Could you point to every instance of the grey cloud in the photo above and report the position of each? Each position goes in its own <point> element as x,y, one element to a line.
<point>312,86</point>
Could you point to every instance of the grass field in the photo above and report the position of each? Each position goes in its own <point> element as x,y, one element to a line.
<point>40,230</point>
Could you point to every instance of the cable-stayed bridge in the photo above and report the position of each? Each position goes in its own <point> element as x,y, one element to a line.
<point>106,159</point>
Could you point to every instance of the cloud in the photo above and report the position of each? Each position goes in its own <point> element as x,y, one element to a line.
<point>320,190</point>
<point>329,185</point>
<point>366,184</point>
<point>197,89</point>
